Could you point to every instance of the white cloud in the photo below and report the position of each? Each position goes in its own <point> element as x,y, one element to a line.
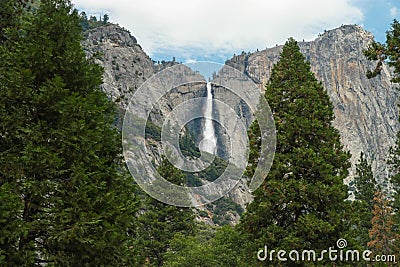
<point>225,25</point>
<point>190,61</point>
<point>394,12</point>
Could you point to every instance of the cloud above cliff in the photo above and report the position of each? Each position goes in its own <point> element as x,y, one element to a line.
<point>394,12</point>
<point>198,29</point>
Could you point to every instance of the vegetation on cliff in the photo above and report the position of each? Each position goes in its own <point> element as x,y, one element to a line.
<point>66,198</point>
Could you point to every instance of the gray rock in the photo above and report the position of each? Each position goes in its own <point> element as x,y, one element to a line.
<point>366,112</point>
<point>126,65</point>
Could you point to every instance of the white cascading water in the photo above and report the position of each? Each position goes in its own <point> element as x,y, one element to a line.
<point>209,142</point>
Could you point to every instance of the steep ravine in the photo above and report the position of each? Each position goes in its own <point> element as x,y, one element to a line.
<point>126,68</point>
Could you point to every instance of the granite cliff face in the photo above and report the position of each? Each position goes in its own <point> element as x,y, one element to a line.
<point>126,68</point>
<point>126,65</point>
<point>365,109</point>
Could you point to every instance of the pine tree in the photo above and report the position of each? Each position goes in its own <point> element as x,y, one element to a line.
<point>300,203</point>
<point>381,234</point>
<point>105,18</point>
<point>65,197</point>
<point>10,14</point>
<point>389,52</point>
<point>365,182</point>
<point>366,187</point>
<point>160,222</point>
<point>206,249</point>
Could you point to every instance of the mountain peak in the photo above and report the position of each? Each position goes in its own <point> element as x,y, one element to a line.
<point>112,33</point>
<point>365,109</point>
<point>347,30</point>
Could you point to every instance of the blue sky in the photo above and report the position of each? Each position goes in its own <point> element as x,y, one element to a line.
<point>378,15</point>
<point>214,30</point>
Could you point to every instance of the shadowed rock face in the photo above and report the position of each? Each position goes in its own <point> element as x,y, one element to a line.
<point>126,68</point>
<point>366,110</point>
<point>126,65</point>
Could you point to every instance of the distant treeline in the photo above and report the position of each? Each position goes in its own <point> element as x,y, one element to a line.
<point>92,22</point>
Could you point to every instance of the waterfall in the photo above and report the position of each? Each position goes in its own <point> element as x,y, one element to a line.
<point>209,142</point>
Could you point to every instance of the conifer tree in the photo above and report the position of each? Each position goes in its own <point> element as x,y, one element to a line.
<point>207,249</point>
<point>300,204</point>
<point>366,187</point>
<point>382,237</point>
<point>365,182</point>
<point>64,197</point>
<point>160,222</point>
<point>386,52</point>
<point>10,17</point>
<point>389,52</point>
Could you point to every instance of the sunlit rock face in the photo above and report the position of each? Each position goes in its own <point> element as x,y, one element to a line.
<point>366,112</point>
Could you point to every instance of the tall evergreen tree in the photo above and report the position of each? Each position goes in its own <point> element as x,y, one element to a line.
<point>64,197</point>
<point>299,205</point>
<point>381,233</point>
<point>10,16</point>
<point>386,52</point>
<point>160,222</point>
<point>389,52</point>
<point>220,249</point>
<point>366,187</point>
<point>365,182</point>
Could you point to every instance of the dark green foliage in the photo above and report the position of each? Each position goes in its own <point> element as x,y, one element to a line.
<point>192,180</point>
<point>186,141</point>
<point>203,213</point>
<point>84,21</point>
<point>11,13</point>
<point>160,222</point>
<point>300,204</point>
<point>215,170</point>
<point>225,248</point>
<point>388,52</point>
<point>225,204</point>
<point>211,173</point>
<point>366,187</point>
<point>188,146</point>
<point>221,209</point>
<point>365,182</point>
<point>10,225</point>
<point>92,22</point>
<point>105,18</point>
<point>153,131</point>
<point>65,198</point>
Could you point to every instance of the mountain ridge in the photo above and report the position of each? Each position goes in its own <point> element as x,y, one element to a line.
<point>366,113</point>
